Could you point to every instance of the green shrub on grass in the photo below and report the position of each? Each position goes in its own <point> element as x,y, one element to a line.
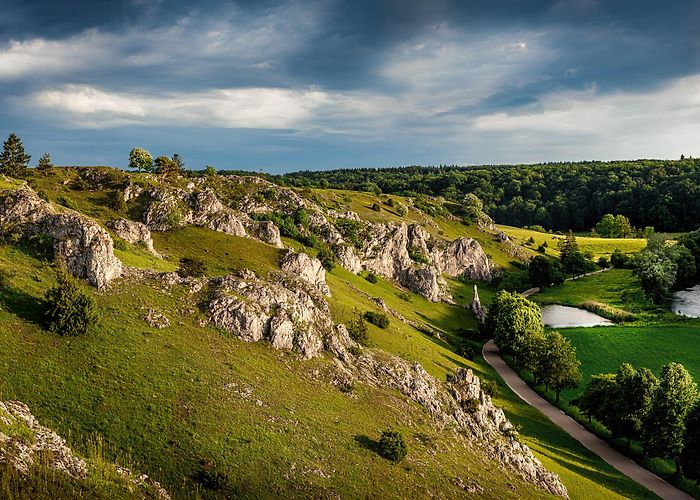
<point>392,445</point>
<point>189,266</point>
<point>67,202</point>
<point>357,328</point>
<point>372,277</point>
<point>70,311</point>
<point>376,318</point>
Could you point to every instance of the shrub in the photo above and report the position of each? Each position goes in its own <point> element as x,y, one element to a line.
<point>392,445</point>
<point>70,311</point>
<point>67,202</point>
<point>376,318</point>
<point>416,255</point>
<point>466,351</point>
<point>376,207</point>
<point>43,195</point>
<point>542,248</point>
<point>327,258</point>
<point>401,210</point>
<point>355,350</point>
<point>120,244</point>
<point>470,405</point>
<point>619,259</point>
<point>189,266</point>
<point>357,328</point>
<point>405,296</point>
<point>115,201</point>
<point>490,387</point>
<point>372,277</point>
<point>603,262</point>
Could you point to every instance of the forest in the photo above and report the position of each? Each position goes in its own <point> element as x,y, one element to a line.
<point>664,194</point>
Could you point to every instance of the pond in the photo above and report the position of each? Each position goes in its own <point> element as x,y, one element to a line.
<point>557,316</point>
<point>687,302</point>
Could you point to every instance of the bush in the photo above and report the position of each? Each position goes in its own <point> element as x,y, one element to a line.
<point>43,195</point>
<point>115,201</point>
<point>190,266</point>
<point>372,277</point>
<point>466,351</point>
<point>603,262</point>
<point>416,255</point>
<point>490,387</point>
<point>392,445</point>
<point>120,244</point>
<point>542,248</point>
<point>619,259</point>
<point>327,258</point>
<point>357,328</point>
<point>376,207</point>
<point>67,202</point>
<point>70,311</point>
<point>405,296</point>
<point>470,405</point>
<point>376,318</point>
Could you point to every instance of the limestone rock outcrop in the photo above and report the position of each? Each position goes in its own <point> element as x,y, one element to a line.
<point>461,402</point>
<point>133,232</point>
<point>84,246</point>
<point>25,443</point>
<point>21,453</point>
<point>288,311</point>
<point>306,268</point>
<point>477,307</point>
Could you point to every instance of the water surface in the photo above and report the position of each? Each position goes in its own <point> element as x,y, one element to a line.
<point>687,302</point>
<point>557,316</point>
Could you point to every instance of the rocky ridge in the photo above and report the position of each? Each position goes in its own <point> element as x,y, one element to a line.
<point>387,249</point>
<point>84,246</point>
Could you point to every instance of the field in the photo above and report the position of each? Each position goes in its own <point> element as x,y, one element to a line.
<point>599,247</point>
<point>189,400</point>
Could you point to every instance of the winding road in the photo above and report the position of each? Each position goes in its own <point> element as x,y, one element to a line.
<point>622,463</point>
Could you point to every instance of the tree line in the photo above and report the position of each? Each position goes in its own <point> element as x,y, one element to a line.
<point>664,194</point>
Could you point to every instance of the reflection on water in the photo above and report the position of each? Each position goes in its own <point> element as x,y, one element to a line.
<point>556,316</point>
<point>687,302</point>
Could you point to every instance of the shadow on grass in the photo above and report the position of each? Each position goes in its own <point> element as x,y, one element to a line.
<point>25,306</point>
<point>367,443</point>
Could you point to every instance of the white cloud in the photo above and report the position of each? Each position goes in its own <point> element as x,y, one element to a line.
<point>90,107</point>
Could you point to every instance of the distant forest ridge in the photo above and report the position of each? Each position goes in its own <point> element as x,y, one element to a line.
<point>664,194</point>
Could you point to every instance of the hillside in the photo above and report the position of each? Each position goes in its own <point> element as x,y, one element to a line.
<point>245,381</point>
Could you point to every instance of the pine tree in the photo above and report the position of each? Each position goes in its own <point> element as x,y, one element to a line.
<point>14,159</point>
<point>71,311</point>
<point>45,164</point>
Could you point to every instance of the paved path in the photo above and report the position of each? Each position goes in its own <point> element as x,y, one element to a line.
<point>622,463</point>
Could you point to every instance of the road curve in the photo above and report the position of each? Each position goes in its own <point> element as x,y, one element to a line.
<point>622,463</point>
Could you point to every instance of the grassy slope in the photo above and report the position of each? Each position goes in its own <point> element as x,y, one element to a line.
<point>598,246</point>
<point>165,397</point>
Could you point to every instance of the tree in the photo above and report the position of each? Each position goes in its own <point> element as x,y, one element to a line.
<point>45,164</point>
<point>209,171</point>
<point>392,445</point>
<point>472,208</point>
<point>179,162</point>
<point>657,273</point>
<point>516,326</point>
<point>623,228</point>
<point>544,272</point>
<point>606,226</point>
<point>141,160</point>
<point>686,271</point>
<point>664,428</point>
<point>690,457</point>
<point>70,311</point>
<point>14,159</point>
<point>597,401</point>
<point>557,364</point>
<point>166,166</point>
<point>632,397</point>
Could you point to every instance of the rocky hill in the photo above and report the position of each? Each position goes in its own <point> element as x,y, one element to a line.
<point>203,379</point>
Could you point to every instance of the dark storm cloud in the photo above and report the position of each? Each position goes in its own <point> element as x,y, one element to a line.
<point>312,83</point>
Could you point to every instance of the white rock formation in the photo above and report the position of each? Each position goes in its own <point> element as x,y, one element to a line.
<point>306,268</point>
<point>133,232</point>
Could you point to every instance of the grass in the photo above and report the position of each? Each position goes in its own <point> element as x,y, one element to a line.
<point>177,403</point>
<point>599,247</point>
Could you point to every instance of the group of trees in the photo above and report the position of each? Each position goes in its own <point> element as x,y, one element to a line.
<point>515,324</point>
<point>15,160</point>
<point>573,261</point>
<point>558,196</point>
<point>614,226</point>
<point>141,160</point>
<point>661,414</point>
<point>663,266</point>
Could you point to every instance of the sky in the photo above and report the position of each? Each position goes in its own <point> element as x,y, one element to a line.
<point>289,85</point>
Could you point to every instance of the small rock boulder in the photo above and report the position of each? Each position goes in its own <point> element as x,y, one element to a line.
<point>133,232</point>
